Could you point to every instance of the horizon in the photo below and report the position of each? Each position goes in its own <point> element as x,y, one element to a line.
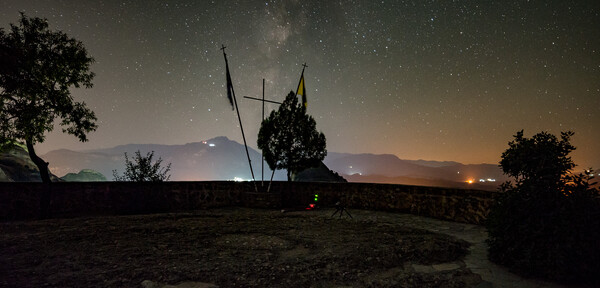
<point>451,81</point>
<point>249,146</point>
<point>79,149</point>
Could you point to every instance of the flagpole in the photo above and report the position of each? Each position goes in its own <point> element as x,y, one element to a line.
<point>230,86</point>
<point>301,75</point>
<point>302,83</point>
<point>262,162</point>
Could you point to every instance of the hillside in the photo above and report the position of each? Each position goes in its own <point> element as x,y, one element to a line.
<point>16,166</point>
<point>85,175</point>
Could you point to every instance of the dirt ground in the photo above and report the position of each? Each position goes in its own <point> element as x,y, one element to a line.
<point>234,247</point>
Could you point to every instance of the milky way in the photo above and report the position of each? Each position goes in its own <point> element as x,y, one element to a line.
<point>419,79</point>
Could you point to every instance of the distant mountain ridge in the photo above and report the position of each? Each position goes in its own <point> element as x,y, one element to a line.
<point>388,168</point>
<point>214,159</point>
<point>223,159</point>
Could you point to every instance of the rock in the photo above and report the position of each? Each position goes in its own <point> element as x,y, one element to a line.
<point>446,266</point>
<point>16,166</point>
<point>422,268</point>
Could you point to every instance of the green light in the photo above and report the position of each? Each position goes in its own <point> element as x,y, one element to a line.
<point>316,197</point>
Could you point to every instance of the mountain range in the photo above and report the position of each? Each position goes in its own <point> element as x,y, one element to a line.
<point>223,159</point>
<point>387,168</point>
<point>215,159</point>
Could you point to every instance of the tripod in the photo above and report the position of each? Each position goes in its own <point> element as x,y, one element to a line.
<point>339,207</point>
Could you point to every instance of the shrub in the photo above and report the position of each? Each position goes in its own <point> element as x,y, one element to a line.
<point>143,169</point>
<point>546,226</point>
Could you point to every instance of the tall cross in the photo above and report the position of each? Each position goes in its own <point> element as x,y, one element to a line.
<point>263,118</point>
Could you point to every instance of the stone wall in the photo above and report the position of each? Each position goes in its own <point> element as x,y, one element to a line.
<point>72,199</point>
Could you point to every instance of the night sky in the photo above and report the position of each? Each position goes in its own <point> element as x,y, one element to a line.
<point>436,80</point>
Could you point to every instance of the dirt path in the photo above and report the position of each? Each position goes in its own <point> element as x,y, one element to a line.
<point>230,248</point>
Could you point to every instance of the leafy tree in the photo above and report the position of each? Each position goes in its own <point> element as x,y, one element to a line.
<point>289,138</point>
<point>541,157</point>
<point>37,69</point>
<point>547,222</point>
<point>142,169</point>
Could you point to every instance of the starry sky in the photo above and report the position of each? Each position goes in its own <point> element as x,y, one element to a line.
<point>435,80</point>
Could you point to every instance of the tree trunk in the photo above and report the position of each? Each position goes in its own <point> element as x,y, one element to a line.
<point>39,162</point>
<point>271,182</point>
<point>289,176</point>
<point>45,175</point>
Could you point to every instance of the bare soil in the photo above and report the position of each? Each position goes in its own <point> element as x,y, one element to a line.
<point>234,247</point>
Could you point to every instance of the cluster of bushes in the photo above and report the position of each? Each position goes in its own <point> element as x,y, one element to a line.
<point>547,223</point>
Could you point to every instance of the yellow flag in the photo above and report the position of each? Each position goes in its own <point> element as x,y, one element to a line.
<point>302,90</point>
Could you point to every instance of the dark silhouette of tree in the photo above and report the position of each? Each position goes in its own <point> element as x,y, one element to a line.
<point>546,223</point>
<point>37,69</point>
<point>142,169</point>
<point>289,138</point>
<point>541,157</point>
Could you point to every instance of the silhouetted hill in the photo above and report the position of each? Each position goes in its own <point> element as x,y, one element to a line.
<point>85,175</point>
<point>320,173</point>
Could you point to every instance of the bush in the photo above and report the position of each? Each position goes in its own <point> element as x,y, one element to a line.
<point>143,169</point>
<point>551,237</point>
<point>547,226</point>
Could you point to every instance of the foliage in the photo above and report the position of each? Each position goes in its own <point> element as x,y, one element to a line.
<point>37,69</point>
<point>540,158</point>
<point>547,223</point>
<point>289,138</point>
<point>142,169</point>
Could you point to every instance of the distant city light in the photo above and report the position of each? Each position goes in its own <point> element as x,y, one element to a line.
<point>238,179</point>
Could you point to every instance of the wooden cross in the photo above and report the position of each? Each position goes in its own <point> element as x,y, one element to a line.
<point>263,118</point>
<point>263,100</point>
